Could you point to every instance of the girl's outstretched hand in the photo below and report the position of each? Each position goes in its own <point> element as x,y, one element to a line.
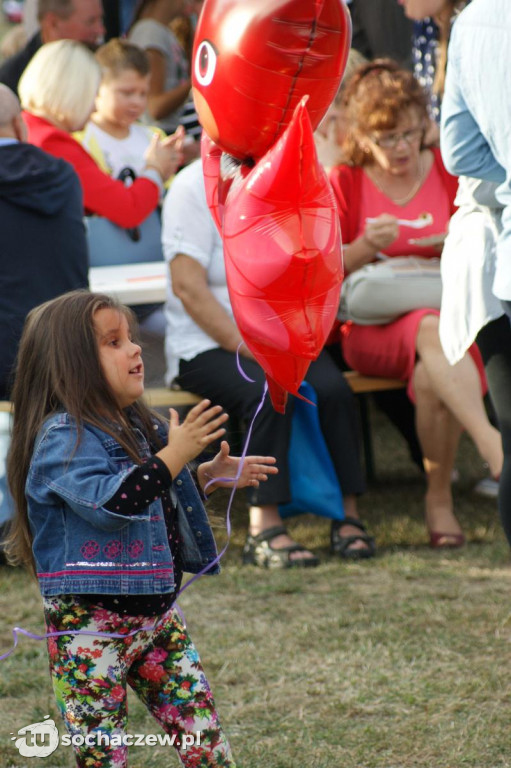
<point>255,470</point>
<point>202,426</point>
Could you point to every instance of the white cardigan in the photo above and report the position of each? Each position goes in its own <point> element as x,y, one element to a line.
<point>468,267</point>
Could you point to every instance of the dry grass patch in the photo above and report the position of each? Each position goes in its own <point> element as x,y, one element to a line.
<point>399,662</point>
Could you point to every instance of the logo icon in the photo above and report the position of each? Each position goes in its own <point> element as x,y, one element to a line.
<point>38,739</point>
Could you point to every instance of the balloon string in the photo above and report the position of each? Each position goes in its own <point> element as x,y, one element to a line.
<point>240,369</point>
<point>16,631</point>
<point>234,480</point>
<point>20,631</point>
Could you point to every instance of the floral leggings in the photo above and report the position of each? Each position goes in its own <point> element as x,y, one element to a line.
<point>161,665</point>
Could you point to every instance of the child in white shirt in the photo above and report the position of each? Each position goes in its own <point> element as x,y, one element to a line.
<point>118,141</point>
<point>113,135</point>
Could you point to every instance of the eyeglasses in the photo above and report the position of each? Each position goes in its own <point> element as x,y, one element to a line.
<point>391,140</point>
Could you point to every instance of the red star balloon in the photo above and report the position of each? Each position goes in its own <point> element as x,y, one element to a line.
<point>264,74</point>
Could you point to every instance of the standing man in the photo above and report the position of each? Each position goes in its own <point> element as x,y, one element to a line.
<point>80,20</point>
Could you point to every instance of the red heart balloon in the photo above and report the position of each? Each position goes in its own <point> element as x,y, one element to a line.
<point>282,249</point>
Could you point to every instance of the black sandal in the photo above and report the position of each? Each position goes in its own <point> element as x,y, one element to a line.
<point>341,545</point>
<point>257,551</point>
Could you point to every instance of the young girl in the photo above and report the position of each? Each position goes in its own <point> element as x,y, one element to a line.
<point>108,517</point>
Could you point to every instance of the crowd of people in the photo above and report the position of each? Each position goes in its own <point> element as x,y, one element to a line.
<point>99,148</point>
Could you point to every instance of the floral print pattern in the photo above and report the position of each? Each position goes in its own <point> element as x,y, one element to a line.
<point>156,658</point>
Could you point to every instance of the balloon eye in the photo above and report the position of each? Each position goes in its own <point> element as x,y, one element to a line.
<point>205,63</point>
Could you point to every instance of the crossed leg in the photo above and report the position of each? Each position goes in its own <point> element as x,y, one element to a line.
<point>448,400</point>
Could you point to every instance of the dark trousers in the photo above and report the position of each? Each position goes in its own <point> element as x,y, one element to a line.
<point>494,341</point>
<point>214,374</point>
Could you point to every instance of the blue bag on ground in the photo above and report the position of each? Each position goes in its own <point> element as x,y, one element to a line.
<point>314,484</point>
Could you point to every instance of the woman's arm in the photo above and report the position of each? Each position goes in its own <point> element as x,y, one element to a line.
<point>102,195</point>
<point>465,150</point>
<point>378,234</point>
<point>190,285</point>
<point>161,102</point>
<point>361,251</point>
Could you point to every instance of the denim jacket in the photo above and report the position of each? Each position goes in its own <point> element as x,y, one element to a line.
<point>81,547</point>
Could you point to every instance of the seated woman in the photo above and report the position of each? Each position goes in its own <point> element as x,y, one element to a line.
<point>329,137</point>
<point>201,343</point>
<point>389,177</point>
<point>57,91</point>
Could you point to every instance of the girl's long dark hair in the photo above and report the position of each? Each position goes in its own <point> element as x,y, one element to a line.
<point>58,369</point>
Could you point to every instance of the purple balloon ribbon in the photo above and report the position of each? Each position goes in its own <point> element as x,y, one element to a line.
<point>16,631</point>
<point>240,369</point>
<point>234,480</point>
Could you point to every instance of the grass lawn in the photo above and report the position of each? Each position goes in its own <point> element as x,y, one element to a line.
<point>392,663</point>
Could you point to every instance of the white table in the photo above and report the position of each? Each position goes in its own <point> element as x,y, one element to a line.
<point>131,283</point>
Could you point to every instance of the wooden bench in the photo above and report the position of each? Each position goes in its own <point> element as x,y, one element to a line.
<point>361,386</point>
<point>158,397</point>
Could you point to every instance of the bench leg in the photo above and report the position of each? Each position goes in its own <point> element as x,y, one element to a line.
<point>367,437</point>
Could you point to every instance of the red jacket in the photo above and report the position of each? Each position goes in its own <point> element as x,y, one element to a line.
<point>346,181</point>
<point>102,195</point>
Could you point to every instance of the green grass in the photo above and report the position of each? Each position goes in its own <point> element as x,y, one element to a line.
<point>398,662</point>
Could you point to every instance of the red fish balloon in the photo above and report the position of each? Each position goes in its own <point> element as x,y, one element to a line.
<point>264,74</point>
<point>254,60</point>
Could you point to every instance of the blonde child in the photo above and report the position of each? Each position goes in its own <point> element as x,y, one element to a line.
<point>108,517</point>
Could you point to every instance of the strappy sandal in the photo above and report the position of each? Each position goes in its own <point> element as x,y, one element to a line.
<point>257,551</point>
<point>342,545</point>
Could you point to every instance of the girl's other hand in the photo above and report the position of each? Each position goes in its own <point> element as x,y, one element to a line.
<point>202,426</point>
<point>255,470</point>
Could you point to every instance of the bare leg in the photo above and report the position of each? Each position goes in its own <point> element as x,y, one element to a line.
<point>438,432</point>
<point>458,388</point>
